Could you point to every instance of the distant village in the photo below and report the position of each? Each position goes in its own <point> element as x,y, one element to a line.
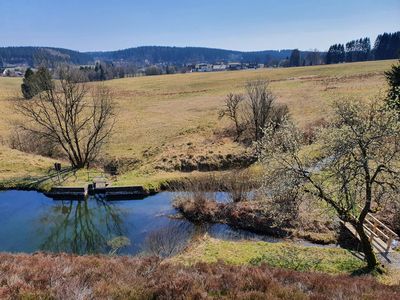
<point>233,66</point>
<point>19,70</point>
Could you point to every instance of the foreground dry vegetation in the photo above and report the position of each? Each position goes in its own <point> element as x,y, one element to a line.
<point>44,276</point>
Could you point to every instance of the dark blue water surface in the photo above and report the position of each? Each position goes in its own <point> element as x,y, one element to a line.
<point>30,221</point>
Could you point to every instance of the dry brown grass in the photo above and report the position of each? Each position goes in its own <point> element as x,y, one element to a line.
<point>174,116</point>
<point>16,164</point>
<point>63,276</point>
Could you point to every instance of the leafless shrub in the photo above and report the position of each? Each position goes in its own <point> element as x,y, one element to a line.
<point>279,113</point>
<point>167,241</point>
<point>239,185</point>
<point>255,110</point>
<point>232,110</point>
<point>31,142</point>
<point>311,129</point>
<point>259,106</point>
<point>199,189</point>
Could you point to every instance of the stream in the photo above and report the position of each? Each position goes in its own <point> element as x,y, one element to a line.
<point>32,222</point>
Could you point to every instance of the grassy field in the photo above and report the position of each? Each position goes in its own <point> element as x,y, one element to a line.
<point>160,118</point>
<point>282,255</point>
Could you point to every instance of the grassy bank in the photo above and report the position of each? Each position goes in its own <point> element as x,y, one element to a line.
<point>281,255</point>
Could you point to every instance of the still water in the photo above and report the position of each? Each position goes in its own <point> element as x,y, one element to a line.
<point>30,221</point>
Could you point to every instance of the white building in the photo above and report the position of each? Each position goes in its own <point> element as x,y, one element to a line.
<point>203,68</point>
<point>219,67</point>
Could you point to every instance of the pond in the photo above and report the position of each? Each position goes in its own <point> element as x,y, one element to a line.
<point>31,222</point>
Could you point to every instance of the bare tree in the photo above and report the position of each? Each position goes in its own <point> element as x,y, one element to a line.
<point>73,116</point>
<point>233,111</point>
<point>259,106</point>
<point>255,110</point>
<point>357,166</point>
<point>169,240</point>
<point>314,57</point>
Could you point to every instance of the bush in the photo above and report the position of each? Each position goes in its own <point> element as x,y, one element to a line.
<point>167,241</point>
<point>30,142</point>
<point>311,130</point>
<point>253,112</point>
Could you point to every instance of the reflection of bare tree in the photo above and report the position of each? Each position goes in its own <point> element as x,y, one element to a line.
<point>172,239</point>
<point>81,226</point>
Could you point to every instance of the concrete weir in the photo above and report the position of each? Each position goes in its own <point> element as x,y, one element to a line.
<point>110,193</point>
<point>62,192</point>
<point>127,192</point>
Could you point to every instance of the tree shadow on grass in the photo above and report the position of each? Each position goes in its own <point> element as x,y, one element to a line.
<point>379,270</point>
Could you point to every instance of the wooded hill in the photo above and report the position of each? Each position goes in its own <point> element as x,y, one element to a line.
<point>189,55</point>
<point>34,56</point>
<point>386,46</point>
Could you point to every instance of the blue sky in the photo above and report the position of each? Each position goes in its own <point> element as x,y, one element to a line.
<point>230,24</point>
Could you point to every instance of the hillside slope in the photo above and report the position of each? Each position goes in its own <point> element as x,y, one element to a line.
<point>34,56</point>
<point>162,120</point>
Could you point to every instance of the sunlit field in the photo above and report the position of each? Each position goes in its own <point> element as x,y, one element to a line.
<point>159,117</point>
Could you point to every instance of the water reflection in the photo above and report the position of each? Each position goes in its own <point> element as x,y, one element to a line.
<point>81,226</point>
<point>30,222</point>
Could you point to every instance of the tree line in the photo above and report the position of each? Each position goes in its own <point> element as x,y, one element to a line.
<point>386,46</point>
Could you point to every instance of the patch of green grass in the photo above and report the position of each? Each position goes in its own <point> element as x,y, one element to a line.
<point>281,255</point>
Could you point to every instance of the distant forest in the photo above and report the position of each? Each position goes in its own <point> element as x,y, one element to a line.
<point>386,46</point>
<point>36,56</point>
<point>188,55</point>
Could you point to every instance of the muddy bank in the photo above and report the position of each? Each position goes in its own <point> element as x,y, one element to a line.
<point>210,162</point>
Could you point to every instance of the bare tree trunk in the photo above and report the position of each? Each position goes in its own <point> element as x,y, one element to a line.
<point>367,247</point>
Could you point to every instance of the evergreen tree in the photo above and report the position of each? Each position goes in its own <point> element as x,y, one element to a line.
<point>34,83</point>
<point>358,50</point>
<point>387,46</point>
<point>26,86</point>
<point>336,54</point>
<point>393,79</point>
<point>43,79</point>
<point>294,60</point>
<point>102,75</point>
